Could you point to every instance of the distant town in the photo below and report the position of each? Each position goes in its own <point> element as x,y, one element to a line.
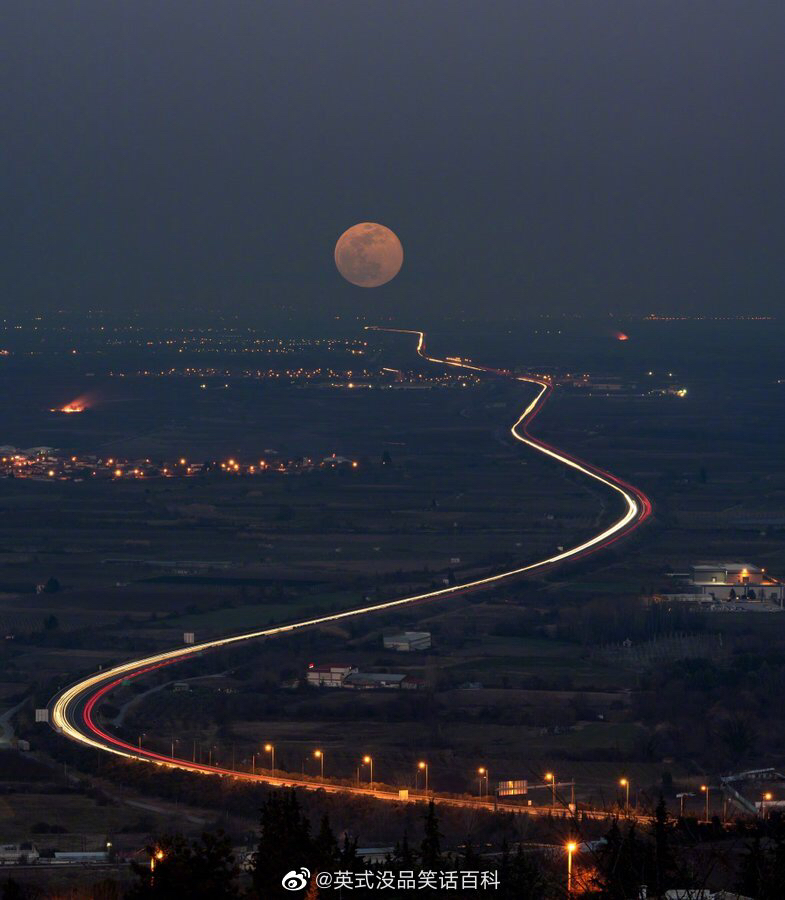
<point>47,463</point>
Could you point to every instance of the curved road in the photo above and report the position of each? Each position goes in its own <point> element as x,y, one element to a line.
<point>73,711</point>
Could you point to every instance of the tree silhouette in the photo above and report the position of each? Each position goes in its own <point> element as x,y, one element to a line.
<point>621,864</point>
<point>284,844</point>
<point>663,872</point>
<point>523,880</point>
<point>430,848</point>
<point>326,854</point>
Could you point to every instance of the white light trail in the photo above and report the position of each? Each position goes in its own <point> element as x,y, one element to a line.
<point>90,690</point>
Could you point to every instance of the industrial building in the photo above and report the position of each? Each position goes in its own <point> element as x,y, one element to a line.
<point>334,675</point>
<point>370,681</point>
<point>329,675</point>
<point>17,854</point>
<point>407,641</point>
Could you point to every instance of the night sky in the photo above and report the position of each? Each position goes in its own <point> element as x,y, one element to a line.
<point>553,156</point>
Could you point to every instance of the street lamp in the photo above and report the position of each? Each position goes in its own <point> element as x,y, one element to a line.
<point>483,773</point>
<point>424,767</point>
<point>571,848</point>
<point>271,750</point>
<point>174,741</point>
<point>706,790</point>
<point>767,798</point>
<point>143,734</point>
<point>368,760</point>
<point>625,783</point>
<point>681,801</point>
<point>549,776</point>
<point>156,857</point>
<point>320,756</point>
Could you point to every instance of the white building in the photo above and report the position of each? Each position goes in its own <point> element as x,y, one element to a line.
<point>723,581</point>
<point>407,641</point>
<point>330,675</point>
<point>18,853</point>
<point>731,580</point>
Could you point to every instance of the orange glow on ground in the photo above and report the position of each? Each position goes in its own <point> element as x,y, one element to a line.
<point>78,405</point>
<point>621,336</point>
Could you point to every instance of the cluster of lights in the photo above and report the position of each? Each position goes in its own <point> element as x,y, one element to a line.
<point>299,374</point>
<point>50,466</point>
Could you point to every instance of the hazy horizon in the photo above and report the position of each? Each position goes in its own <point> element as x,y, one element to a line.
<point>543,156</point>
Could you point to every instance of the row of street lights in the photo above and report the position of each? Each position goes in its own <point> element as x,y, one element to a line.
<point>367,760</point>
<point>483,772</point>
<point>483,777</point>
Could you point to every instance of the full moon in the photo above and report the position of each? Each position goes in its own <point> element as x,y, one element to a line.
<point>368,254</point>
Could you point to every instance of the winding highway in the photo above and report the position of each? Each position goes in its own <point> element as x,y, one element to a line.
<point>73,711</point>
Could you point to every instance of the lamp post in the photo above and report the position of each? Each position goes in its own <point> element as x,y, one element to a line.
<point>253,764</point>
<point>140,740</point>
<point>767,798</point>
<point>681,801</point>
<point>571,848</point>
<point>483,773</point>
<point>320,756</point>
<point>625,783</point>
<point>368,760</point>
<point>271,750</point>
<point>174,741</point>
<point>156,857</point>
<point>424,767</point>
<point>706,790</point>
<point>549,776</point>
